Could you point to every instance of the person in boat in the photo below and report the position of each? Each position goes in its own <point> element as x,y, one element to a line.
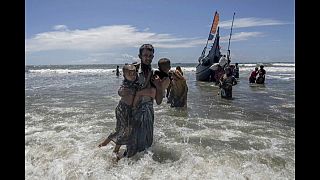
<point>226,83</point>
<point>236,71</point>
<point>123,111</point>
<point>261,75</point>
<point>179,89</point>
<point>143,113</point>
<point>117,71</point>
<point>253,75</point>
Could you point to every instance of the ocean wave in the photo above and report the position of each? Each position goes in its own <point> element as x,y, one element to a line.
<point>280,77</point>
<point>283,64</point>
<point>248,65</point>
<point>66,71</point>
<point>185,69</point>
<point>270,69</point>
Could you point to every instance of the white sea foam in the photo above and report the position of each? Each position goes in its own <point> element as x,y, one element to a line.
<point>288,105</point>
<point>60,156</point>
<point>283,64</point>
<point>187,69</point>
<point>31,130</point>
<point>248,65</point>
<point>270,69</point>
<point>274,97</point>
<point>280,77</point>
<point>202,143</point>
<point>66,71</point>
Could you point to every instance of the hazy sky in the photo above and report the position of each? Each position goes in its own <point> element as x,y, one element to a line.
<point>103,32</point>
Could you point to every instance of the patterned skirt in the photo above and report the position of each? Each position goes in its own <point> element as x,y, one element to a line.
<point>124,124</point>
<point>142,131</point>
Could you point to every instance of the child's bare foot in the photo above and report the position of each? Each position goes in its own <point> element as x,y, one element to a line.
<point>104,143</point>
<point>115,157</point>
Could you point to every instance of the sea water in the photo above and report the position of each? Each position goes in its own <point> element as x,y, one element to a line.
<point>69,110</point>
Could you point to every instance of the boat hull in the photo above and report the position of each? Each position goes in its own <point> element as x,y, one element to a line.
<point>203,73</point>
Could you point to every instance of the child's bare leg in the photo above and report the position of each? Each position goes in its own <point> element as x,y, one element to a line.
<point>135,101</point>
<point>104,143</point>
<point>116,148</point>
<point>116,157</point>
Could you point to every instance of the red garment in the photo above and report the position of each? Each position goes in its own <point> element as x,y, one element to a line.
<point>218,73</point>
<point>254,74</point>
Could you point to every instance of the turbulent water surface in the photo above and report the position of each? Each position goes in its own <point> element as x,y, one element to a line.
<point>69,110</point>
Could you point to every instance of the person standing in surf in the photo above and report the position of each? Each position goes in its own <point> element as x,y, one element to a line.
<point>123,111</point>
<point>226,83</point>
<point>261,75</point>
<point>253,76</point>
<point>164,66</point>
<point>179,89</point>
<point>151,88</point>
<point>236,71</point>
<point>117,71</point>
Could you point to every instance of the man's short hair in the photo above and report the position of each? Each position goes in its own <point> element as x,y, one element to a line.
<point>146,46</point>
<point>163,61</point>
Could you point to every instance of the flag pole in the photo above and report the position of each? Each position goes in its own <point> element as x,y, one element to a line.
<point>228,56</point>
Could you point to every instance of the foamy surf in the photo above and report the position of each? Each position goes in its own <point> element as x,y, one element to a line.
<point>248,137</point>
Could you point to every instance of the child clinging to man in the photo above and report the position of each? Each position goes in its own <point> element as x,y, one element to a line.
<point>123,111</point>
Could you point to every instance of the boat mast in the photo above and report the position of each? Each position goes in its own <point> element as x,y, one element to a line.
<point>228,56</point>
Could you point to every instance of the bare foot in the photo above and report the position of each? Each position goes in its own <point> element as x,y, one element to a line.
<point>104,143</point>
<point>115,157</point>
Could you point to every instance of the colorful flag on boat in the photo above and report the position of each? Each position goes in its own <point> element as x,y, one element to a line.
<point>214,26</point>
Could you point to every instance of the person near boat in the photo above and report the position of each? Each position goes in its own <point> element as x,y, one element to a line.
<point>226,83</point>
<point>236,71</point>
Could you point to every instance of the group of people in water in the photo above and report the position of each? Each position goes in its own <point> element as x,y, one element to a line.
<point>261,75</point>
<point>140,87</point>
<point>225,76</point>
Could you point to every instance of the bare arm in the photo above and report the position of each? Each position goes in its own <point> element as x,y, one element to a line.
<point>168,89</point>
<point>123,91</point>
<point>159,90</point>
<point>147,92</point>
<point>135,101</point>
